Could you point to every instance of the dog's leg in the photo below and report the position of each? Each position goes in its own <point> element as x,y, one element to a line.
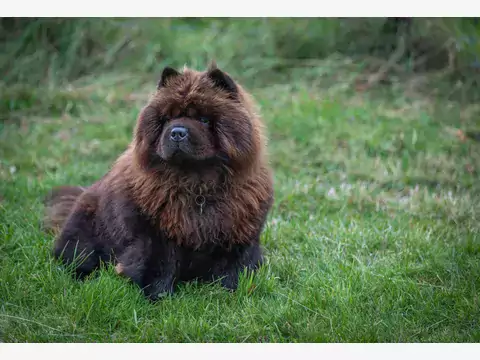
<point>162,269</point>
<point>131,262</point>
<point>228,268</point>
<point>77,245</point>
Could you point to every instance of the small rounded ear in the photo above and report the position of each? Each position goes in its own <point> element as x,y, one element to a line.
<point>212,65</point>
<point>167,73</point>
<point>222,80</point>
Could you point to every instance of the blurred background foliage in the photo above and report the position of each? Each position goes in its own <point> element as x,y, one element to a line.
<point>41,54</point>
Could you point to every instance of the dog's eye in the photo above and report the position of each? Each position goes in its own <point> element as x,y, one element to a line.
<point>204,120</point>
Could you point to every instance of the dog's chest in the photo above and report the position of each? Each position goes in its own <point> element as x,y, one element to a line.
<point>197,219</point>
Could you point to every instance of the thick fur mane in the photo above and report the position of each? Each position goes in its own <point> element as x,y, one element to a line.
<point>194,209</point>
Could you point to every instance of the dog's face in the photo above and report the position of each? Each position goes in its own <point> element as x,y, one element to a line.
<point>187,135</point>
<point>196,118</point>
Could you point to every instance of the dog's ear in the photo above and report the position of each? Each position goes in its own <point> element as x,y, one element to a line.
<point>221,79</point>
<point>167,73</point>
<point>212,65</point>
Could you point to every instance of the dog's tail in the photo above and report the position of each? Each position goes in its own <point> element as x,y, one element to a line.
<point>58,204</point>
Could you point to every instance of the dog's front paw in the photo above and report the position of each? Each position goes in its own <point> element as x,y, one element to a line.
<point>230,281</point>
<point>158,290</point>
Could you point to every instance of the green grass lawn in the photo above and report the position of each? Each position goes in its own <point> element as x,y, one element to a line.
<point>373,236</point>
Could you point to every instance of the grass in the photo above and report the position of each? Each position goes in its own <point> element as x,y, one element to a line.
<point>374,234</point>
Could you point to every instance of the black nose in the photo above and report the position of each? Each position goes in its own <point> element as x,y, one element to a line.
<point>178,133</point>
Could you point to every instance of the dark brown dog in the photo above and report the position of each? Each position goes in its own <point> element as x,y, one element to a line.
<point>187,200</point>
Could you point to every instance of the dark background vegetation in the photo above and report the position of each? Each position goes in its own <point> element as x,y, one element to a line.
<point>38,54</point>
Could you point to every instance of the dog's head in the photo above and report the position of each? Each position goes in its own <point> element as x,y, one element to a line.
<point>198,119</point>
